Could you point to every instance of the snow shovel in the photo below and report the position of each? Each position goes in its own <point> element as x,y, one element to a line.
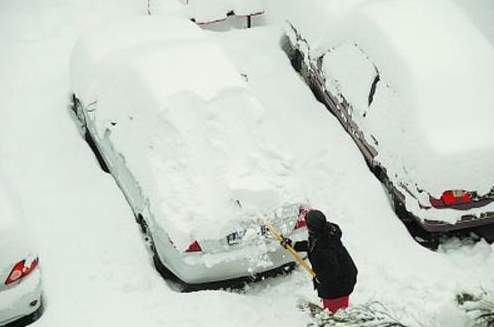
<point>290,249</point>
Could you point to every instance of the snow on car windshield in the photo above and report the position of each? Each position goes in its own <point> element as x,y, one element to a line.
<point>195,139</point>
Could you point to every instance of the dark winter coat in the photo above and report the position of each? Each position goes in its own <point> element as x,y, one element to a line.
<point>336,273</point>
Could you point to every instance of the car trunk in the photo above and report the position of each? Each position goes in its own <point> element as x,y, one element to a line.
<point>253,232</point>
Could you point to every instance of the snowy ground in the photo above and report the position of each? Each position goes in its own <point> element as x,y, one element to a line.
<point>96,267</point>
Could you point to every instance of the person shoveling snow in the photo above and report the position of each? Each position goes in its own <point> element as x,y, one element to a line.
<point>335,273</point>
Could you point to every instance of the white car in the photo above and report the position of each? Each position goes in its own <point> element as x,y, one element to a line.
<point>20,275</point>
<point>172,120</point>
<point>411,82</point>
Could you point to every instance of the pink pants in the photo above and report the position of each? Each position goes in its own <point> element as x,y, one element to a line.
<point>334,304</point>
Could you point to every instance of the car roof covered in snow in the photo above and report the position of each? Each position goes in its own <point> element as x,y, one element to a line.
<point>442,69</point>
<point>442,66</point>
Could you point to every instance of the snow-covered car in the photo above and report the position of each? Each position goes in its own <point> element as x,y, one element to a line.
<point>411,82</point>
<point>212,11</point>
<point>20,275</point>
<point>172,120</point>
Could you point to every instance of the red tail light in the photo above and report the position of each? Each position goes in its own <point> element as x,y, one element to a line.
<point>451,197</point>
<point>21,269</point>
<point>194,247</point>
<point>302,212</point>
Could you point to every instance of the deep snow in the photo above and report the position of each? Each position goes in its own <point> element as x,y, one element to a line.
<point>96,268</point>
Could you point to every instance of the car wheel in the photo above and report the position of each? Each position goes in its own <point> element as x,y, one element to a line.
<point>99,157</point>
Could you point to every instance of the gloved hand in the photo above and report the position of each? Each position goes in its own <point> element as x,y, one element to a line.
<point>285,242</point>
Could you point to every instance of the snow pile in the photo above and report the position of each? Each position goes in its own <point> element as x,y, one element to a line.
<point>370,314</point>
<point>187,129</point>
<point>206,11</point>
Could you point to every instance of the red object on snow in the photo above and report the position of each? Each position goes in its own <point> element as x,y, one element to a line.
<point>334,304</point>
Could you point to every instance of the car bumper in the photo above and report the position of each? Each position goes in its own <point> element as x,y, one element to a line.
<point>466,222</point>
<point>21,300</point>
<point>474,218</point>
<point>246,262</point>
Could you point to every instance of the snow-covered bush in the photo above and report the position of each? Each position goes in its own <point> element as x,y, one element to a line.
<point>369,314</point>
<point>480,308</point>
